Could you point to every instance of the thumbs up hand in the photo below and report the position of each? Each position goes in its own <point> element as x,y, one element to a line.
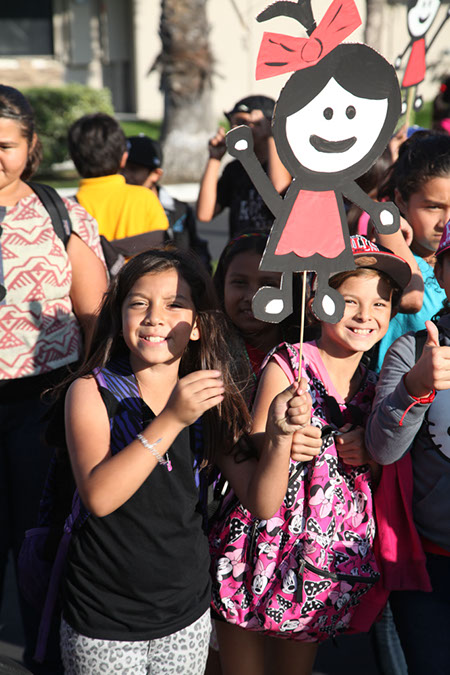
<point>432,370</point>
<point>433,334</point>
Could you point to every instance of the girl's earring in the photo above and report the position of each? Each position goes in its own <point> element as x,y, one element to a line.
<point>195,334</point>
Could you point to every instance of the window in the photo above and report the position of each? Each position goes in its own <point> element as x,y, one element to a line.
<point>26,28</point>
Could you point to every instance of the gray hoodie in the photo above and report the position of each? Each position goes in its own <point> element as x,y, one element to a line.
<point>425,431</point>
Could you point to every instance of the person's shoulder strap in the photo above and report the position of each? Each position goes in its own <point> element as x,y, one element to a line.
<point>56,209</point>
<point>120,394</point>
<point>289,350</point>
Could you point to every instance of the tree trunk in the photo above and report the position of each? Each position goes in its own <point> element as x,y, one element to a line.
<point>374,23</point>
<point>185,64</point>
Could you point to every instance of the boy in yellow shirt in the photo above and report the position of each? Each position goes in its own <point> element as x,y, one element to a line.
<point>98,148</point>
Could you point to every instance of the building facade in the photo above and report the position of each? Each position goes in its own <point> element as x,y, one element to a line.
<point>114,43</point>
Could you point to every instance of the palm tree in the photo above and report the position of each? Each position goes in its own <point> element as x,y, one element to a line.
<point>185,64</point>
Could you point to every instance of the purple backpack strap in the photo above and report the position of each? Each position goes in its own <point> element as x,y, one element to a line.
<point>100,378</point>
<point>55,580</point>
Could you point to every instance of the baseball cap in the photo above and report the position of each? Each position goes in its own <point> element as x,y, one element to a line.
<point>257,102</point>
<point>144,151</point>
<point>379,258</point>
<point>444,244</point>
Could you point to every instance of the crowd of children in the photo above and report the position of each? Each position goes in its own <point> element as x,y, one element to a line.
<point>329,483</point>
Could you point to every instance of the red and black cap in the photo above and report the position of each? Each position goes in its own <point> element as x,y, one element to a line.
<point>379,258</point>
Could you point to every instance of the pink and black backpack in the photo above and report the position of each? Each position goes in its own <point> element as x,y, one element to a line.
<point>301,574</point>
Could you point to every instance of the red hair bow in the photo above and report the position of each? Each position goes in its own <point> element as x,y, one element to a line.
<point>280,53</point>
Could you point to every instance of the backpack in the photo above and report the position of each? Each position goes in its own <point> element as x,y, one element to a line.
<point>115,252</point>
<point>300,574</point>
<point>44,549</point>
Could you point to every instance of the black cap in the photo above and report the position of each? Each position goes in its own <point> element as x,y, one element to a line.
<point>144,151</point>
<point>259,102</point>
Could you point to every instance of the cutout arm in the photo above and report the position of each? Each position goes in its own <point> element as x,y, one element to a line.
<point>398,60</point>
<point>240,146</point>
<point>384,215</point>
<point>446,17</point>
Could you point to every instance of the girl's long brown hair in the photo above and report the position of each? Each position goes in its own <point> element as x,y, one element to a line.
<point>223,424</point>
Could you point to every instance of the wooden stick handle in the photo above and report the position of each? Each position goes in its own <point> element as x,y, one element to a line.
<point>302,327</point>
<point>411,94</point>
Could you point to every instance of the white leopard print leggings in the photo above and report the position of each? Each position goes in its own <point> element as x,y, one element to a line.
<point>184,652</point>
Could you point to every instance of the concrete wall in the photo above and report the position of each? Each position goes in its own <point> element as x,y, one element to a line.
<point>24,72</point>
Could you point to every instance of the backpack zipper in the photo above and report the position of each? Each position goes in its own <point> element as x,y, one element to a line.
<point>350,578</point>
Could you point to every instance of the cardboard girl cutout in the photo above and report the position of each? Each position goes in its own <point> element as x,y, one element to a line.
<point>332,120</point>
<point>420,16</point>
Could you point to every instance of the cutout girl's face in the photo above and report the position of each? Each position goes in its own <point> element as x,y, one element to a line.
<point>421,16</point>
<point>335,130</point>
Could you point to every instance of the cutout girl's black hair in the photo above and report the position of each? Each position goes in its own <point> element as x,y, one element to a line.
<point>301,11</point>
<point>359,70</point>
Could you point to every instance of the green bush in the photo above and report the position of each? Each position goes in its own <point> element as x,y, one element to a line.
<point>423,117</point>
<point>134,128</point>
<point>56,108</point>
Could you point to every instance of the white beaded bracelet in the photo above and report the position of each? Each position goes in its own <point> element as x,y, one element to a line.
<point>151,446</point>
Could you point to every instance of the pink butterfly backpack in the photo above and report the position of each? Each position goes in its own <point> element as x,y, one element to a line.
<point>301,574</point>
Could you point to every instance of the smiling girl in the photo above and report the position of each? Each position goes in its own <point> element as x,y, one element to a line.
<point>342,389</point>
<point>136,589</point>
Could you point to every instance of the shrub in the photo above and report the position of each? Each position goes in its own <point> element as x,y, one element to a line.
<point>56,108</point>
<point>423,117</point>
